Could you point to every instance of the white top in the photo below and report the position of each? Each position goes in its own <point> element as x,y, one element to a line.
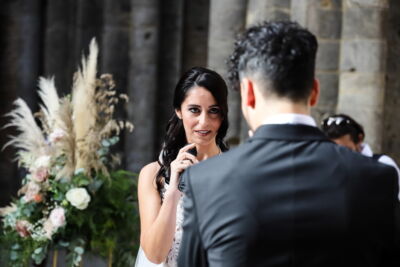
<point>290,118</point>
<point>367,151</point>
<point>172,258</point>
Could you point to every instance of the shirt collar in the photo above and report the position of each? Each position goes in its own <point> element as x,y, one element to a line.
<point>290,118</point>
<point>366,150</point>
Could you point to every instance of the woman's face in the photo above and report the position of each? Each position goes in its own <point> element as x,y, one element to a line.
<point>348,142</point>
<point>201,116</point>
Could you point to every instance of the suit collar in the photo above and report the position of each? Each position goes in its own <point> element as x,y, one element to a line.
<point>289,132</point>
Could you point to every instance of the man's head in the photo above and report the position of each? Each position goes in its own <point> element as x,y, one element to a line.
<point>344,130</point>
<point>274,61</point>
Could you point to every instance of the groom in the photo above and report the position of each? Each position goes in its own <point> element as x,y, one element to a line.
<point>288,196</point>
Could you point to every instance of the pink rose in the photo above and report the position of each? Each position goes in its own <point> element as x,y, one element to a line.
<point>22,228</point>
<point>57,217</point>
<point>32,189</point>
<point>39,175</point>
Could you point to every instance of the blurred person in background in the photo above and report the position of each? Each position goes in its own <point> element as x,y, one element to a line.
<point>344,130</point>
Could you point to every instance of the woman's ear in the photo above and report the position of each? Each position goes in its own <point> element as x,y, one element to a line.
<point>360,142</point>
<point>178,113</point>
<point>361,138</point>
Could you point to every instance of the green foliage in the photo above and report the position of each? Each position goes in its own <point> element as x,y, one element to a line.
<point>110,223</point>
<point>111,218</point>
<point>19,250</point>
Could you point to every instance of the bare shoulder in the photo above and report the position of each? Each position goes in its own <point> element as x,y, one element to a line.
<point>151,168</point>
<point>148,173</point>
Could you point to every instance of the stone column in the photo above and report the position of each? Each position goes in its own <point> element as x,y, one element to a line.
<point>227,19</point>
<point>169,62</point>
<point>114,51</point>
<point>324,19</point>
<point>362,65</point>
<point>391,128</point>
<point>142,84</point>
<point>195,32</point>
<point>114,46</point>
<point>59,44</point>
<point>89,24</point>
<point>20,25</point>
<point>261,10</point>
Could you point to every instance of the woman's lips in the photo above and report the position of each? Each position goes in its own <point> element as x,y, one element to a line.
<point>202,132</point>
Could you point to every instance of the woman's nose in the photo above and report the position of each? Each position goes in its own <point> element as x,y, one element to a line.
<point>203,118</point>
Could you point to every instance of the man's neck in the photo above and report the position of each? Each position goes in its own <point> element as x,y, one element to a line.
<point>270,109</point>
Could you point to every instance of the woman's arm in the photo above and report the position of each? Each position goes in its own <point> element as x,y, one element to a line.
<point>157,221</point>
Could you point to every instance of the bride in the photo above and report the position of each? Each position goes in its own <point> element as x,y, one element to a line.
<point>198,124</point>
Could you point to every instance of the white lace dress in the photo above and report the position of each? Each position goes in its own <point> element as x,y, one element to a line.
<point>171,261</point>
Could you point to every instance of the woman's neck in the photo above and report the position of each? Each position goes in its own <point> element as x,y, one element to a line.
<point>208,151</point>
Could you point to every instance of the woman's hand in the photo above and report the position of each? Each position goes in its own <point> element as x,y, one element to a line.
<point>183,160</point>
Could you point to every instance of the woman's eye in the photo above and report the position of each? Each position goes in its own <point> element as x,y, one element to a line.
<point>215,110</point>
<point>194,110</point>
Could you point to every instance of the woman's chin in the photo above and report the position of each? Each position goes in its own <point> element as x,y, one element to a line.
<point>203,141</point>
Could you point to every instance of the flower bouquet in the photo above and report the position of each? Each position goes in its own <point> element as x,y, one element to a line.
<point>72,197</point>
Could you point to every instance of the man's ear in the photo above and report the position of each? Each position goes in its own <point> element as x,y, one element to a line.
<point>248,92</point>
<point>178,113</point>
<point>315,91</point>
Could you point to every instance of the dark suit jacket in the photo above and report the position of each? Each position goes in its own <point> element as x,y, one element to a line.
<point>290,197</point>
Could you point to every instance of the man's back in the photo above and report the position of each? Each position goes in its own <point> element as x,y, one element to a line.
<point>289,197</point>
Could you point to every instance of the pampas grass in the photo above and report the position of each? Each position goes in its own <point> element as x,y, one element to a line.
<point>80,122</point>
<point>51,103</point>
<point>30,139</point>
<point>67,145</point>
<point>84,108</point>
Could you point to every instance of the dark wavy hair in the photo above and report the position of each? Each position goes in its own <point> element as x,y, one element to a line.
<point>338,125</point>
<point>175,137</point>
<point>280,54</point>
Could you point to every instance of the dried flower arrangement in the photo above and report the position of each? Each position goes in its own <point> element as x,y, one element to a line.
<point>72,197</point>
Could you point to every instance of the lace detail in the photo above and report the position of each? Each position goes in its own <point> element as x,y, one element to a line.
<point>172,258</point>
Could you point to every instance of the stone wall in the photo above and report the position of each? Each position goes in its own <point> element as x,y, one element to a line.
<point>148,44</point>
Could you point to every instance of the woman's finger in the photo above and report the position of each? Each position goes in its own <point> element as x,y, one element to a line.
<point>180,165</point>
<point>188,156</point>
<point>183,164</point>
<point>187,147</point>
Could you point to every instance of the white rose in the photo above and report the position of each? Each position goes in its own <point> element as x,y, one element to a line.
<point>48,228</point>
<point>57,217</point>
<point>78,197</point>
<point>42,162</point>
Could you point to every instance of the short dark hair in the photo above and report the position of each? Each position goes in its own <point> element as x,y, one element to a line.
<point>338,125</point>
<point>280,53</point>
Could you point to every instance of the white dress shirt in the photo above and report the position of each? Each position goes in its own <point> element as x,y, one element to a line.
<point>290,118</point>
